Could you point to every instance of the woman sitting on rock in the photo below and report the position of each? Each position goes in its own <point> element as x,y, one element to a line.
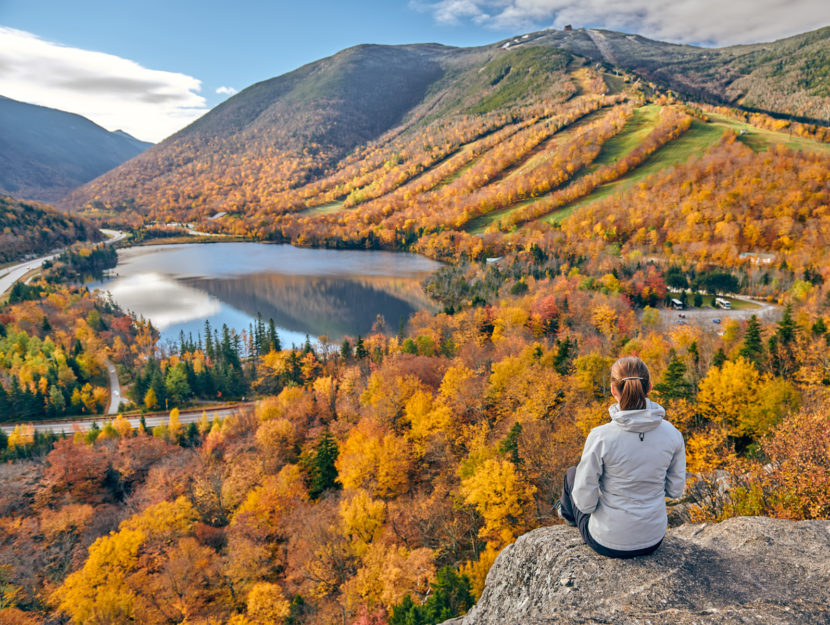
<point>616,495</point>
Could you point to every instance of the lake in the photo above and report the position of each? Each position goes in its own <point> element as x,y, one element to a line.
<point>305,291</point>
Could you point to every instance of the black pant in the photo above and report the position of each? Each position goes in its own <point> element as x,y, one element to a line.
<point>572,513</point>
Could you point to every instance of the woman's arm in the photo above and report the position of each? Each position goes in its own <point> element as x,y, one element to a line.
<point>585,493</point>
<point>676,473</point>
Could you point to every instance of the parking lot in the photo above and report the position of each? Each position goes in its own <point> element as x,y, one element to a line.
<point>706,315</point>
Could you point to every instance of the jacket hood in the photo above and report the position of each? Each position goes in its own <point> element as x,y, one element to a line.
<point>638,420</point>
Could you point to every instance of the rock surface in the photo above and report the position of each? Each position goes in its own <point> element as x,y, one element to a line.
<point>744,570</point>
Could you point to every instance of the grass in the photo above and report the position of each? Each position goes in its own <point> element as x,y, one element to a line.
<point>322,209</point>
<point>616,84</point>
<point>480,223</point>
<point>548,148</point>
<point>737,304</point>
<point>760,139</point>
<point>642,122</point>
<point>693,142</point>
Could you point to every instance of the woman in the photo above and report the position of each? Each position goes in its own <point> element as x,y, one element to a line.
<point>616,495</point>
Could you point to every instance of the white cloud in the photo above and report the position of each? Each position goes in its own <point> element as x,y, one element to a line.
<point>687,21</point>
<point>114,92</point>
<point>226,90</point>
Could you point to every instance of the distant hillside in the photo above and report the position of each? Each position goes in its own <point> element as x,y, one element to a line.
<point>356,126</point>
<point>786,77</point>
<point>45,153</point>
<point>288,131</point>
<point>33,228</point>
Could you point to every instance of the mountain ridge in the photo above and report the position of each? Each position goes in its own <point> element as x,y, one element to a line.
<point>293,130</point>
<point>46,153</point>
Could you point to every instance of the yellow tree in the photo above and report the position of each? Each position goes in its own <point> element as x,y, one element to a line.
<point>501,496</point>
<point>122,426</point>
<point>375,460</point>
<point>267,604</point>
<point>427,417</point>
<point>388,573</point>
<point>736,396</point>
<point>111,586</point>
<point>362,519</point>
<point>174,426</point>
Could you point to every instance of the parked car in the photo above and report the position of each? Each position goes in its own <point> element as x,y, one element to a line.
<point>715,320</point>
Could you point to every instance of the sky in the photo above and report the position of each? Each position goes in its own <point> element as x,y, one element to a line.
<point>150,67</point>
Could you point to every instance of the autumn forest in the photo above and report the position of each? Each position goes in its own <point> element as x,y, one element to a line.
<point>374,481</point>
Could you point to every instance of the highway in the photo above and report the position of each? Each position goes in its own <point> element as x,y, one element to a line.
<point>186,416</point>
<point>15,272</point>
<point>12,274</point>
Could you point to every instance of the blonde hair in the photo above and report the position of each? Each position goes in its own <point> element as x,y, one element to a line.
<point>630,377</point>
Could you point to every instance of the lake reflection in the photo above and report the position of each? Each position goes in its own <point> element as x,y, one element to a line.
<point>305,291</point>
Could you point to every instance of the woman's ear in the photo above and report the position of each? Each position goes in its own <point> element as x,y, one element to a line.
<point>615,392</point>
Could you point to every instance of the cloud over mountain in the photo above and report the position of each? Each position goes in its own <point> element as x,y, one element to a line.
<point>112,91</point>
<point>686,21</point>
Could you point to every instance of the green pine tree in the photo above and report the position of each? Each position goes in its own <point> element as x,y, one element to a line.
<point>565,352</point>
<point>322,472</point>
<point>719,358</point>
<point>360,351</point>
<point>450,597</point>
<point>785,336</point>
<point>753,347</point>
<point>786,327</point>
<point>674,384</point>
<point>510,445</point>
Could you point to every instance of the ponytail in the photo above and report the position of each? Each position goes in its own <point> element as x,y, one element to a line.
<point>630,377</point>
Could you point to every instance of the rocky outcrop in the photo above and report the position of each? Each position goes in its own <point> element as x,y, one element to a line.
<point>744,570</point>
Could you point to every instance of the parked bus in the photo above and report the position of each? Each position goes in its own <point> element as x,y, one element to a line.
<point>723,303</point>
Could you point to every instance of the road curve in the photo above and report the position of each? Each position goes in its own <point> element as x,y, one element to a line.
<point>12,274</point>
<point>115,389</point>
<point>186,416</point>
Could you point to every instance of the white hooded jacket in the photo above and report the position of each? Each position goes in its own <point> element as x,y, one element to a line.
<point>628,467</point>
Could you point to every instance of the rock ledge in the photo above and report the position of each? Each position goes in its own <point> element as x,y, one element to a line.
<point>744,570</point>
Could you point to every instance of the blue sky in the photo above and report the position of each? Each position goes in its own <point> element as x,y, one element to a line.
<point>233,44</point>
<point>95,57</point>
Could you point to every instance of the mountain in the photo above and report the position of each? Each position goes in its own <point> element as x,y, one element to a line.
<point>31,228</point>
<point>363,122</point>
<point>290,130</point>
<point>789,77</point>
<point>45,153</point>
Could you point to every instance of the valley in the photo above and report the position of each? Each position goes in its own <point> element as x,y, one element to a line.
<point>351,327</point>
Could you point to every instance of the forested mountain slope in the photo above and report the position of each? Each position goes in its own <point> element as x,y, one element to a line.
<point>45,153</point>
<point>34,228</point>
<point>324,131</point>
<point>788,77</point>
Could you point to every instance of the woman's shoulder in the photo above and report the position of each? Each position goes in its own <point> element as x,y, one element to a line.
<point>668,428</point>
